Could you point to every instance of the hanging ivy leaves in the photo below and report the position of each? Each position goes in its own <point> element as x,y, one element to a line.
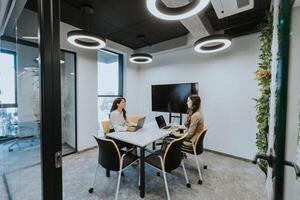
<point>263,77</point>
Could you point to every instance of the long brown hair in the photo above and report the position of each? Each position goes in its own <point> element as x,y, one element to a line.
<point>115,106</point>
<point>196,103</point>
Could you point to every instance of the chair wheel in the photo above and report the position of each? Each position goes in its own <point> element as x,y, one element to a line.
<point>10,150</point>
<point>157,174</point>
<point>188,185</point>
<point>91,190</point>
<point>205,166</point>
<point>122,174</point>
<point>200,182</point>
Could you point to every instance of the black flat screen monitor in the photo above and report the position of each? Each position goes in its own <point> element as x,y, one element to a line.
<point>172,97</point>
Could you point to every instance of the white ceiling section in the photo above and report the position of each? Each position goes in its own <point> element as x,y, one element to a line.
<point>197,25</point>
<point>297,3</point>
<point>193,24</point>
<point>225,8</point>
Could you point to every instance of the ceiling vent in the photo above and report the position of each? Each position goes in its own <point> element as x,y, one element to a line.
<point>225,8</point>
<point>6,7</point>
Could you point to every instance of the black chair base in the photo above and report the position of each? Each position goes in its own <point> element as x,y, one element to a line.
<point>200,182</point>
<point>188,185</point>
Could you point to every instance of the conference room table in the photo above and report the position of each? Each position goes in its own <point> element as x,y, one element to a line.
<point>141,138</point>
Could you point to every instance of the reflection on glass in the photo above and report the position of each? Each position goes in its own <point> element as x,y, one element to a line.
<point>20,107</point>
<point>104,105</point>
<point>68,104</point>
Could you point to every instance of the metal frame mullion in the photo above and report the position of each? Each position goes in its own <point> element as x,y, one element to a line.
<point>281,104</point>
<point>49,18</point>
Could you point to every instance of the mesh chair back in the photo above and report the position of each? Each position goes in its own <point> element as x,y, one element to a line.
<point>199,141</point>
<point>109,155</point>
<point>172,155</point>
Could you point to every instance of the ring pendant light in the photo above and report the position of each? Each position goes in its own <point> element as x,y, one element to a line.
<point>85,38</point>
<point>140,58</point>
<point>212,43</point>
<point>80,39</point>
<point>160,10</point>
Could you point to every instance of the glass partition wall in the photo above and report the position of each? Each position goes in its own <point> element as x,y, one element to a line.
<point>20,114</point>
<point>68,101</point>
<point>20,156</point>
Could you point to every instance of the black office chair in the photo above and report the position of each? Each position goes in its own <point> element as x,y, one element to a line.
<point>168,160</point>
<point>196,148</point>
<point>111,158</point>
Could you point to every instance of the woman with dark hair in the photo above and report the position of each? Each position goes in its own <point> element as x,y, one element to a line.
<point>118,118</point>
<point>195,122</point>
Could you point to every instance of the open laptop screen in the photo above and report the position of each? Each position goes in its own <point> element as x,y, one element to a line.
<point>160,121</point>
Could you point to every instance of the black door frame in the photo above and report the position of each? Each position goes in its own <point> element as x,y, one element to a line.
<point>282,92</point>
<point>49,19</point>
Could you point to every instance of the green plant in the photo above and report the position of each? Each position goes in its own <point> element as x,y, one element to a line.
<point>263,77</point>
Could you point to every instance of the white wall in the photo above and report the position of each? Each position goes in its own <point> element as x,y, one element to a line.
<point>226,86</point>
<point>292,186</point>
<point>87,104</point>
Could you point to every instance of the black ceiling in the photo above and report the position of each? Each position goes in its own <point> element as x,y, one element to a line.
<point>124,21</point>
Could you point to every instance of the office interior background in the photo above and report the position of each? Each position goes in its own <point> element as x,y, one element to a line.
<point>90,79</point>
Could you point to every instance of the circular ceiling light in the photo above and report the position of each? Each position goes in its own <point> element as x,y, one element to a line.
<point>140,58</point>
<point>160,10</point>
<point>212,43</point>
<point>86,39</point>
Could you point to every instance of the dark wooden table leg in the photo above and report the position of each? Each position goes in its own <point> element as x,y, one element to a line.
<point>142,171</point>
<point>153,146</point>
<point>107,173</point>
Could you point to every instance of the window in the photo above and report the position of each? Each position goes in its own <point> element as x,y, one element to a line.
<point>8,96</point>
<point>110,82</point>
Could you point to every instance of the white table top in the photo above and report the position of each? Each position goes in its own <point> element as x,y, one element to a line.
<point>144,136</point>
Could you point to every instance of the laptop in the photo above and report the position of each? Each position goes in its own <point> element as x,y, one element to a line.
<point>140,123</point>
<point>161,122</point>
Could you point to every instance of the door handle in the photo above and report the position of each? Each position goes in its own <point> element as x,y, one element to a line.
<point>268,158</point>
<point>295,166</point>
<point>271,161</point>
<point>58,159</point>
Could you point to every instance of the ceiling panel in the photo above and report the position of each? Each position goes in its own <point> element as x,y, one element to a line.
<point>122,21</point>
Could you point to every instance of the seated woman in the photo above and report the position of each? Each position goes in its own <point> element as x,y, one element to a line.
<point>194,123</point>
<point>118,118</point>
<point>119,122</point>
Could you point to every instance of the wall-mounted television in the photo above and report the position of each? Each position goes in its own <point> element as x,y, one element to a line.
<point>172,98</point>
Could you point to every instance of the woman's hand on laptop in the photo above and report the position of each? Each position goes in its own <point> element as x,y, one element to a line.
<point>131,129</point>
<point>175,133</point>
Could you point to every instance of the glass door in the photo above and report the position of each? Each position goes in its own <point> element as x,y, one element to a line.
<point>281,161</point>
<point>20,112</point>
<point>30,131</point>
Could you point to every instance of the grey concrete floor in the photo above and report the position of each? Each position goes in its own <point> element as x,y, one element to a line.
<point>225,178</point>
